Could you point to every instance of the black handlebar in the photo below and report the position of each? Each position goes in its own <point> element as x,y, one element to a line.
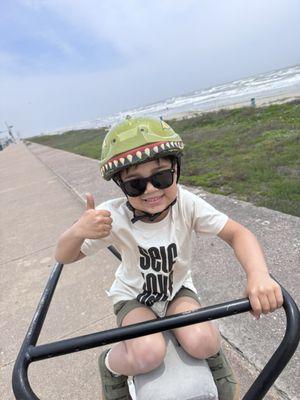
<point>29,352</point>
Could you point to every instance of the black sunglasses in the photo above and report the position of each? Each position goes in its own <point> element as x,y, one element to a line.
<point>160,180</point>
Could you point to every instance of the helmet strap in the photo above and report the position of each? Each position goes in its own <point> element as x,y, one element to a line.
<point>145,215</point>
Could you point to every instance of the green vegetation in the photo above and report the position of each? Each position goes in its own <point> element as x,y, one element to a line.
<point>86,142</point>
<point>249,153</point>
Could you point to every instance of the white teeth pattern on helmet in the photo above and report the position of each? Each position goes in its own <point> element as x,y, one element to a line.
<point>155,149</point>
<point>162,146</point>
<point>139,154</point>
<point>129,157</point>
<point>147,151</point>
<point>110,164</point>
<point>116,162</point>
<point>172,144</point>
<point>168,144</point>
<point>122,160</point>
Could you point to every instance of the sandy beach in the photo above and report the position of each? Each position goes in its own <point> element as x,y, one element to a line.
<point>261,100</point>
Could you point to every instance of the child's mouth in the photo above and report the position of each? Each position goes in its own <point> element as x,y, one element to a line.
<point>153,200</point>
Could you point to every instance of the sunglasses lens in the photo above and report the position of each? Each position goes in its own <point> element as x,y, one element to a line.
<point>162,179</point>
<point>135,187</point>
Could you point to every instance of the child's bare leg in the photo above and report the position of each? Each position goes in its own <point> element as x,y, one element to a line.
<point>140,355</point>
<point>199,340</point>
<point>203,341</point>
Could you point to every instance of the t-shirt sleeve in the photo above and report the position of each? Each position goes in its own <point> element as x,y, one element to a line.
<point>206,220</point>
<point>91,246</point>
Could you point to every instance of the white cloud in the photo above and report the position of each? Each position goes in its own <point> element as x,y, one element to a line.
<point>8,60</point>
<point>33,4</point>
<point>168,47</point>
<point>133,25</point>
<point>64,46</point>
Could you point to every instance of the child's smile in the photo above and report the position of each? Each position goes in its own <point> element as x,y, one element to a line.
<point>153,200</point>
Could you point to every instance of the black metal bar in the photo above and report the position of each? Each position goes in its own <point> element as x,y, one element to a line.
<point>136,330</point>
<point>20,383</point>
<point>115,252</point>
<point>282,355</point>
<point>29,352</point>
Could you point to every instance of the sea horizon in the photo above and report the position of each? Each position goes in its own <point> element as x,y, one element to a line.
<point>272,84</point>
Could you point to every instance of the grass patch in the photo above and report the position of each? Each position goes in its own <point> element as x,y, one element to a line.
<point>249,153</point>
<point>86,142</point>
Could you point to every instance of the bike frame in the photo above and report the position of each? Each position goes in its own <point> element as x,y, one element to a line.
<point>30,352</point>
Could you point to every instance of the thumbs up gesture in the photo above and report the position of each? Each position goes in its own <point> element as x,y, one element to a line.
<point>90,202</point>
<point>93,224</point>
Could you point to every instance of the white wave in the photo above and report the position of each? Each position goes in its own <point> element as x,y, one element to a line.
<point>259,85</point>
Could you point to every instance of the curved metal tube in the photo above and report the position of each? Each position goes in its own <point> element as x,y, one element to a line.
<point>20,383</point>
<point>29,352</point>
<point>282,355</point>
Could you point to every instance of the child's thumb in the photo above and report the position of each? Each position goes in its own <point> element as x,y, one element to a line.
<point>90,203</point>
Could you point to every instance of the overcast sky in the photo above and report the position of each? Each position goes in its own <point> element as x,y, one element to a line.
<point>67,61</point>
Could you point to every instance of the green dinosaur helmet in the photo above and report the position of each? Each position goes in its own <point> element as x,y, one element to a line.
<point>135,141</point>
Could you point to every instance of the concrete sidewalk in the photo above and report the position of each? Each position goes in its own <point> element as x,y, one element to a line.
<point>40,197</point>
<point>35,208</point>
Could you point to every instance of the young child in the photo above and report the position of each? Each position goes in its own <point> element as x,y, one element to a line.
<point>152,229</point>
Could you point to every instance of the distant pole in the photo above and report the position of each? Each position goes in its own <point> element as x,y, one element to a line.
<point>9,127</point>
<point>253,105</point>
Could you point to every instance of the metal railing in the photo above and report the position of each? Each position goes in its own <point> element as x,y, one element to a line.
<point>30,352</point>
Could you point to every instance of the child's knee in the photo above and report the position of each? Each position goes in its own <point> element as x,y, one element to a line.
<point>148,355</point>
<point>149,359</point>
<point>203,343</point>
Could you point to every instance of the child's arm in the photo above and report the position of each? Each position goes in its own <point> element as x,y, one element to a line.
<point>93,224</point>
<point>263,292</point>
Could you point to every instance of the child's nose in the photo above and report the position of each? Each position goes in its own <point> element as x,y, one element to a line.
<point>150,188</point>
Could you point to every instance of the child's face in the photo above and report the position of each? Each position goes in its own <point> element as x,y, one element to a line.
<point>153,200</point>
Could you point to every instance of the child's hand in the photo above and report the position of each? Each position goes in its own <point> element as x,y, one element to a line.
<point>93,224</point>
<point>264,294</point>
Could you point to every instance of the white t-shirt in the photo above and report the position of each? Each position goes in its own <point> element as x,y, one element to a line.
<point>156,257</point>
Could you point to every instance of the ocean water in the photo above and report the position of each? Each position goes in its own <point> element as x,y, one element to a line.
<point>261,86</point>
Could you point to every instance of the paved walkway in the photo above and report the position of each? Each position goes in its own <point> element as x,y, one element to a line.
<point>35,208</point>
<point>41,194</point>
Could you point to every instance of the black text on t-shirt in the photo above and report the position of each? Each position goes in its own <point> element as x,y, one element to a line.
<point>156,264</point>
